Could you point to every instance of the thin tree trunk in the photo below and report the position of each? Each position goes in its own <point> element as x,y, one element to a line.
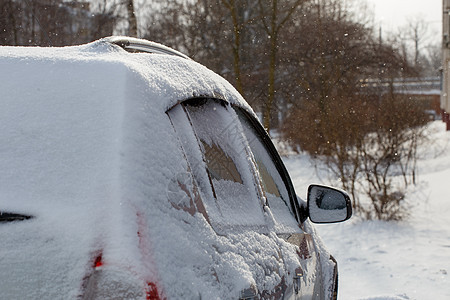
<point>272,66</point>
<point>132,21</point>
<point>237,45</point>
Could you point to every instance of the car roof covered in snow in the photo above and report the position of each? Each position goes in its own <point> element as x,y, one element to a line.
<point>87,100</point>
<point>170,75</point>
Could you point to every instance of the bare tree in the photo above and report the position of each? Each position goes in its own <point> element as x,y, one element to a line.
<point>390,148</point>
<point>274,16</point>
<point>52,22</point>
<point>132,21</point>
<point>417,32</point>
<point>339,118</point>
<point>238,26</point>
<point>9,18</point>
<point>414,36</point>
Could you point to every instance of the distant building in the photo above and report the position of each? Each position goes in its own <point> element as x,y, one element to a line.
<point>426,91</point>
<point>445,94</point>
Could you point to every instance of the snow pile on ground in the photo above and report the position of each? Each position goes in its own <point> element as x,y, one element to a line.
<point>388,260</point>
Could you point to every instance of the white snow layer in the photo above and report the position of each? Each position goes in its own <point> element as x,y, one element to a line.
<point>87,149</point>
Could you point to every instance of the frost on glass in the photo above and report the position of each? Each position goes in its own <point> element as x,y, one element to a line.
<point>218,157</point>
<point>274,188</point>
<point>182,191</point>
<point>220,165</point>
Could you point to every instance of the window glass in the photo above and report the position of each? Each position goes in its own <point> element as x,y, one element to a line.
<point>273,185</point>
<point>220,162</point>
<point>220,165</point>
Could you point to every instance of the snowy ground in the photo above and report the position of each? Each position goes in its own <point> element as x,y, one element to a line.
<point>388,260</point>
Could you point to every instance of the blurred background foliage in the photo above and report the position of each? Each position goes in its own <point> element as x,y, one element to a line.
<point>317,72</point>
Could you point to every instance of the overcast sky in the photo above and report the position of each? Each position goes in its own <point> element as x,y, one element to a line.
<point>392,14</point>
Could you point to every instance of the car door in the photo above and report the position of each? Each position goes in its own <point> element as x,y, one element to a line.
<point>243,184</point>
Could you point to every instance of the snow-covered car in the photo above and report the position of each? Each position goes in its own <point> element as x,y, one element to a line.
<point>129,171</point>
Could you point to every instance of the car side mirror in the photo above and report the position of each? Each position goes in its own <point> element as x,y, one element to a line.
<point>328,205</point>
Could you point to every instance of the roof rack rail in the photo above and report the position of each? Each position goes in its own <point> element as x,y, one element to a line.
<point>130,44</point>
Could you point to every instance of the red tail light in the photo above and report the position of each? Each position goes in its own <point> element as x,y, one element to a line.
<point>151,292</point>
<point>107,278</point>
<point>112,281</point>
<point>98,261</point>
